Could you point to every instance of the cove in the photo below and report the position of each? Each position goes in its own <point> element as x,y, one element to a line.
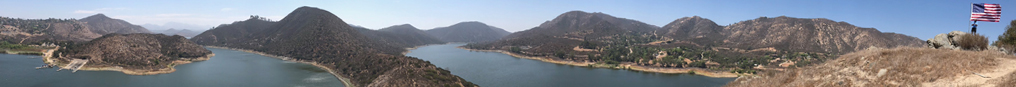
<point>229,68</point>
<point>494,69</point>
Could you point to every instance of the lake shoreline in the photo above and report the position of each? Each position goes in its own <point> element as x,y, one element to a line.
<point>345,81</point>
<point>697,71</point>
<point>49,60</point>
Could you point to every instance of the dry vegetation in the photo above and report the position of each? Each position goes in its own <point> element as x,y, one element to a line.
<point>897,67</point>
<point>973,41</point>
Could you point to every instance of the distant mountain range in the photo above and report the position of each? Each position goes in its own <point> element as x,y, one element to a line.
<point>174,25</point>
<point>29,31</point>
<point>604,39</point>
<point>404,36</point>
<point>181,32</point>
<point>785,33</point>
<point>468,32</point>
<point>316,35</point>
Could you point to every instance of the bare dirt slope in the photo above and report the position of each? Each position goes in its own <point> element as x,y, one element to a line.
<point>897,67</point>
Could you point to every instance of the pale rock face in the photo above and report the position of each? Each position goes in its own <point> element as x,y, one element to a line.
<point>950,41</point>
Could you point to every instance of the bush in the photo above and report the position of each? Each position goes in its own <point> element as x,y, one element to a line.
<point>698,64</point>
<point>587,45</point>
<point>515,50</point>
<point>973,42</point>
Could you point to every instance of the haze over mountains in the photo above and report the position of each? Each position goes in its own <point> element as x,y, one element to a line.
<point>174,25</point>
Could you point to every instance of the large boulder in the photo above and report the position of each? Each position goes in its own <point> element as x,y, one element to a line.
<point>946,40</point>
<point>952,40</point>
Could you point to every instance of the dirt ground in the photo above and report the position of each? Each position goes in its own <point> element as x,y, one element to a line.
<point>895,67</point>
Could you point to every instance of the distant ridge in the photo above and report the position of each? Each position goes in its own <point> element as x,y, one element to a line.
<point>601,40</point>
<point>470,31</point>
<point>404,36</point>
<point>53,30</point>
<point>102,24</point>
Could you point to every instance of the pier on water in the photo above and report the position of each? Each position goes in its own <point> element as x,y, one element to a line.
<point>75,65</point>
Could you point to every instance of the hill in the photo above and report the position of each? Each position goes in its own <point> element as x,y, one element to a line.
<point>897,67</point>
<point>404,36</point>
<point>317,36</point>
<point>811,35</point>
<point>571,29</point>
<point>761,44</point>
<point>181,32</point>
<point>471,31</point>
<point>234,34</point>
<point>136,54</point>
<point>99,23</point>
<point>63,31</point>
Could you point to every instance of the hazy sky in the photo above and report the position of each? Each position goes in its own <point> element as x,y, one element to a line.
<point>919,18</point>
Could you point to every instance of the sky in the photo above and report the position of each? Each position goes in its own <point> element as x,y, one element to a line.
<point>919,18</point>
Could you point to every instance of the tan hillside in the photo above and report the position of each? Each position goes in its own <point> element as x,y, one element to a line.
<point>897,67</point>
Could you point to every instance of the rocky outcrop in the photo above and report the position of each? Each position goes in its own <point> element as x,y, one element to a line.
<point>136,54</point>
<point>953,40</point>
<point>946,40</point>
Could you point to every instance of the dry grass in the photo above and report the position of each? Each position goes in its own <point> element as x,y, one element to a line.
<point>886,67</point>
<point>973,42</point>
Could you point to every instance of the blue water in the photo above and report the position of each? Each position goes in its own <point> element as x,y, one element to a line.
<point>228,68</point>
<point>492,69</point>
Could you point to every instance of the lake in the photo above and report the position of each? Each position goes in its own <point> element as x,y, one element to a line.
<point>229,68</point>
<point>492,69</point>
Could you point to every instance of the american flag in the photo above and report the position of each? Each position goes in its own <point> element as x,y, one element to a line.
<point>985,12</point>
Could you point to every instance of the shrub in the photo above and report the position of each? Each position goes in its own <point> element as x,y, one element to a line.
<point>587,45</point>
<point>698,64</point>
<point>973,42</point>
<point>515,49</point>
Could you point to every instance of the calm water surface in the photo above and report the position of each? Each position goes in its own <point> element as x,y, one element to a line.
<point>492,69</point>
<point>228,68</point>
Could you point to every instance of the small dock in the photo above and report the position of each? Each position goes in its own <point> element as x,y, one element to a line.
<point>75,65</point>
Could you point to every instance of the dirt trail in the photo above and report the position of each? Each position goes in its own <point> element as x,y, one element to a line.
<point>896,67</point>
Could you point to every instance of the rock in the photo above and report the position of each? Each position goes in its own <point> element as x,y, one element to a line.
<point>946,40</point>
<point>999,49</point>
<point>950,41</point>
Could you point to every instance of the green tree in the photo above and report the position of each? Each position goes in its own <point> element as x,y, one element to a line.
<point>698,64</point>
<point>515,50</point>
<point>560,54</point>
<point>1008,39</point>
<point>587,45</point>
